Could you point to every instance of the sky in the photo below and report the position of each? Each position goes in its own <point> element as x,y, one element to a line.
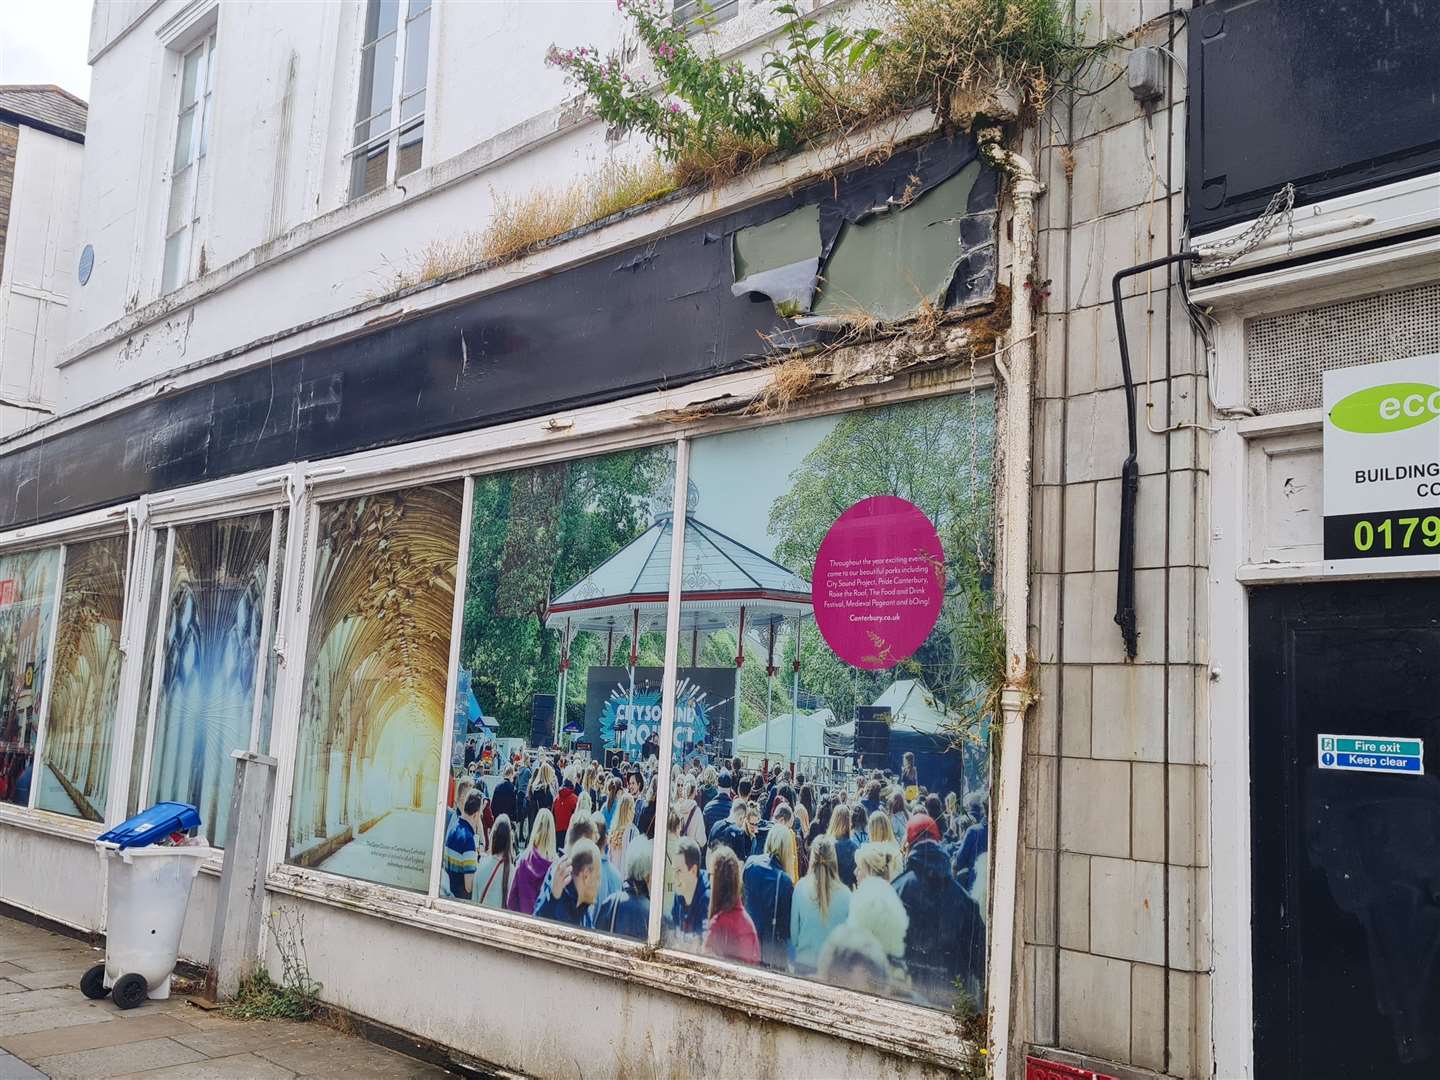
<point>46,42</point>
<point>738,476</point>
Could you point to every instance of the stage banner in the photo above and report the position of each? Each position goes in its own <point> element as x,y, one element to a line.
<point>620,715</point>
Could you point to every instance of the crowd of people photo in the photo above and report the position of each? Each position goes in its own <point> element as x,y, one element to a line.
<point>865,879</point>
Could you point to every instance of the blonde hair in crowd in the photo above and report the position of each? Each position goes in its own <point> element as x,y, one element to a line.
<point>542,837</point>
<point>624,818</point>
<point>840,822</point>
<point>879,860</point>
<point>612,793</point>
<point>878,828</point>
<point>825,870</point>
<point>780,842</point>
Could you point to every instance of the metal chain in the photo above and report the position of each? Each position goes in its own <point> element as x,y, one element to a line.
<point>1226,253</point>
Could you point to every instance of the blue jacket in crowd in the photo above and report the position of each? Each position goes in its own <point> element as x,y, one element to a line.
<point>716,811</point>
<point>768,894</point>
<point>626,913</point>
<point>567,908</point>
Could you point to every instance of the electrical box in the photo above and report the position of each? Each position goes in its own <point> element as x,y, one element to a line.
<point>1146,74</point>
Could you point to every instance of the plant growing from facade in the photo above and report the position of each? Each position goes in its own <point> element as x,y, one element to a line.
<point>710,117</point>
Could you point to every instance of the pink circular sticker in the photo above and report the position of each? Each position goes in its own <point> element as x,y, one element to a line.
<point>878,583</point>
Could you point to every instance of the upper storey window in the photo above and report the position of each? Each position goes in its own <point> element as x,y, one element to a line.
<point>189,169</point>
<point>390,114</point>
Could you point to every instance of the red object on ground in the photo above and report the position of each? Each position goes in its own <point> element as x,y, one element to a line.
<point>1040,1069</point>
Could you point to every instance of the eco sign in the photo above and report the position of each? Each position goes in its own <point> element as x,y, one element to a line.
<point>1382,467</point>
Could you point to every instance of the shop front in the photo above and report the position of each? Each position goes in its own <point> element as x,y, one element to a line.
<point>606,691</point>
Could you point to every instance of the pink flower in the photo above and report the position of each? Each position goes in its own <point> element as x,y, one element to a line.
<point>673,107</point>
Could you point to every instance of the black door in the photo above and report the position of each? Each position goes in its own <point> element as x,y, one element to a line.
<point>1346,865</point>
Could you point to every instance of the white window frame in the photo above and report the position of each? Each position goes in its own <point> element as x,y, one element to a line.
<point>392,136</point>
<point>200,122</point>
<point>89,526</point>
<point>216,501</point>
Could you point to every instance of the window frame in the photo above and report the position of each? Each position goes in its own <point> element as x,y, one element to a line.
<point>392,138</point>
<point>200,124</point>
<point>162,514</point>
<point>93,525</point>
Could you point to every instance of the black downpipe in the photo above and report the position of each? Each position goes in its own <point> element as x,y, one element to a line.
<point>1130,472</point>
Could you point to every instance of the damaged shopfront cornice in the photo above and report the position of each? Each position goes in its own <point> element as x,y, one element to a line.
<point>658,312</point>
<point>863,352</point>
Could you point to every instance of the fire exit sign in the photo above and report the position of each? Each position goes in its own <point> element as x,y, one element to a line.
<point>1371,753</point>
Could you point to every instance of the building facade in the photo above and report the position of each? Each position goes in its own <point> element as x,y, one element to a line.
<point>979,463</point>
<point>42,137</point>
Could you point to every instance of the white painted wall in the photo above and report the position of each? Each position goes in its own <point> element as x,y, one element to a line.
<point>500,1007</point>
<point>38,272</point>
<point>283,243</point>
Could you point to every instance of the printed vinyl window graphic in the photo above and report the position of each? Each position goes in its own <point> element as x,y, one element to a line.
<point>210,658</point>
<point>372,720</point>
<point>86,684</point>
<point>147,668</point>
<point>27,608</point>
<point>835,566</point>
<point>559,687</point>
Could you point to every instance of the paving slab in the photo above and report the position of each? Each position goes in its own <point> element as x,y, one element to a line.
<point>355,1060</point>
<point>47,1028</point>
<point>243,1038</point>
<point>27,1000</point>
<point>54,977</point>
<point>106,1032</point>
<point>108,1061</point>
<point>12,1068</point>
<point>234,1067</point>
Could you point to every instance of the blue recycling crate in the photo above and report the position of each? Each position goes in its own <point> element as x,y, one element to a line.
<point>150,826</point>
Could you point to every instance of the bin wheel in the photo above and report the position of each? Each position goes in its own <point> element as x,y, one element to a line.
<point>92,983</point>
<point>129,991</point>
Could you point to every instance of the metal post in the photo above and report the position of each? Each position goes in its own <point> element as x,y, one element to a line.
<point>235,940</point>
<point>795,690</point>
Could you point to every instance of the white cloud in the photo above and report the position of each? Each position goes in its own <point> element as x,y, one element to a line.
<point>46,42</point>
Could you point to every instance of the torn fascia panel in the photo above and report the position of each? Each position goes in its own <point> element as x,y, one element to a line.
<point>895,185</point>
<point>974,276</point>
<point>779,259</point>
<point>889,264</point>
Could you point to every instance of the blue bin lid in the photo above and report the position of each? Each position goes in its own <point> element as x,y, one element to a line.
<point>152,825</point>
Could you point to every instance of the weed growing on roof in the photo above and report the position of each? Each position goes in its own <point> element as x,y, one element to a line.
<point>712,118</point>
<point>521,224</point>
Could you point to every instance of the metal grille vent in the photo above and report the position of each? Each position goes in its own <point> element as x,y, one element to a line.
<point>1287,353</point>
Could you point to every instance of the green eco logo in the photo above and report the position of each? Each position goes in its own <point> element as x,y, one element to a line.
<point>1381,410</point>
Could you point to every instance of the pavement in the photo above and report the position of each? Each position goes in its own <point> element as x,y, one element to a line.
<point>49,1029</point>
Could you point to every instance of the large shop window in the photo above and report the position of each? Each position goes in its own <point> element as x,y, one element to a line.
<point>559,679</point>
<point>85,686</point>
<point>28,581</point>
<point>829,806</point>
<point>367,765</point>
<point>214,625</point>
